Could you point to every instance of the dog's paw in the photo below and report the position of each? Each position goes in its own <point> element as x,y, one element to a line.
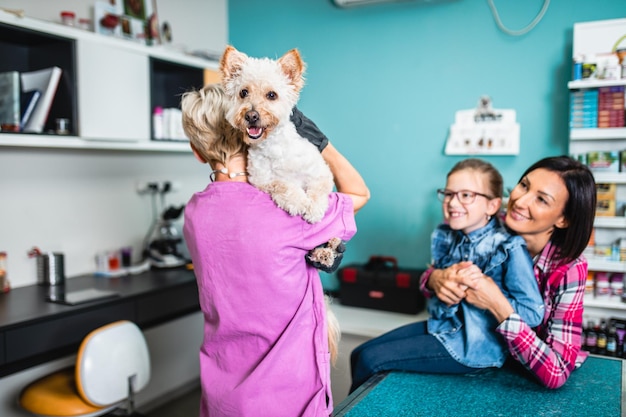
<point>316,210</point>
<point>328,256</point>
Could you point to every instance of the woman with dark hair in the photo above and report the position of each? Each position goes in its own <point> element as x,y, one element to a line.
<point>552,208</point>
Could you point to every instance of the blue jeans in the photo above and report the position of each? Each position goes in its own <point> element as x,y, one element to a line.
<point>407,348</point>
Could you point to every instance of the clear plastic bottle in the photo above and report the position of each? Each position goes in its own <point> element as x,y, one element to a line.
<point>157,123</point>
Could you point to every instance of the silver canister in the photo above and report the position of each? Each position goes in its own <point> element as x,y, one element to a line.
<point>50,269</point>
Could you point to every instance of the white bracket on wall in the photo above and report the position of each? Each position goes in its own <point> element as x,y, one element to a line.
<point>484,131</point>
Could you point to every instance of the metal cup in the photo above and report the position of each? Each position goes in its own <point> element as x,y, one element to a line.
<point>50,269</point>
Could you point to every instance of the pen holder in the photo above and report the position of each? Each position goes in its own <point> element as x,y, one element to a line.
<point>50,269</point>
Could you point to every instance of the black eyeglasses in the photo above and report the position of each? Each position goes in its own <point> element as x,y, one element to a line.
<point>464,196</point>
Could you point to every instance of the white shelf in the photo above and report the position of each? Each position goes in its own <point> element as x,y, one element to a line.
<point>157,51</point>
<point>610,177</point>
<point>594,83</point>
<point>94,52</point>
<point>598,264</point>
<point>73,142</point>
<point>592,133</point>
<point>605,303</point>
<point>617,222</point>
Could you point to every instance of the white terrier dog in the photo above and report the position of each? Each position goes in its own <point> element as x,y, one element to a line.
<point>262,93</point>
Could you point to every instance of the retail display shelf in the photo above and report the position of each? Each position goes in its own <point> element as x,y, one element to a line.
<point>592,133</point>
<point>599,264</point>
<point>594,83</point>
<point>610,177</point>
<point>613,303</point>
<point>617,222</point>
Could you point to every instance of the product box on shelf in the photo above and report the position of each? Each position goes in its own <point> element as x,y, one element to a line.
<point>605,208</point>
<point>584,109</point>
<point>603,161</point>
<point>611,107</point>
<point>622,161</point>
<point>606,191</point>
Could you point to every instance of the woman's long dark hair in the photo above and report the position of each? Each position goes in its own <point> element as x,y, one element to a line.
<point>579,210</point>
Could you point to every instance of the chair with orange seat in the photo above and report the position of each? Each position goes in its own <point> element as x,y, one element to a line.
<point>113,364</point>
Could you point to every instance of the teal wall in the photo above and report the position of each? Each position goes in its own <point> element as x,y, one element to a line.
<point>384,82</point>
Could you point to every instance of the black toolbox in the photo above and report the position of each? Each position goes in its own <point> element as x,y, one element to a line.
<point>380,284</point>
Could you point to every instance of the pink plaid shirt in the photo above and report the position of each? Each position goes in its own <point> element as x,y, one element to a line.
<point>552,350</point>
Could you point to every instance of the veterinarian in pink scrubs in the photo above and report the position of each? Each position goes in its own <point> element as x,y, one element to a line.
<point>265,349</point>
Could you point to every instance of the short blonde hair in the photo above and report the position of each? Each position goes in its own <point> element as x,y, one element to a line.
<point>204,122</point>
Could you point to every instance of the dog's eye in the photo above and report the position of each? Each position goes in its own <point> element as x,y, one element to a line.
<point>272,95</point>
<point>243,93</point>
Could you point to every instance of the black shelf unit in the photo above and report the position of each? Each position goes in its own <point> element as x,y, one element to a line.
<point>28,50</point>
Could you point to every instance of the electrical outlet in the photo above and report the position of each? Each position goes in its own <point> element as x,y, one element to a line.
<point>160,187</point>
<point>147,187</point>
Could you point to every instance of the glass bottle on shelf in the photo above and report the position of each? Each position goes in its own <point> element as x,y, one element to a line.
<point>592,337</point>
<point>611,342</point>
<point>601,340</point>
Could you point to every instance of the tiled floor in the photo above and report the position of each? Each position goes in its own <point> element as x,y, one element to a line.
<point>185,406</point>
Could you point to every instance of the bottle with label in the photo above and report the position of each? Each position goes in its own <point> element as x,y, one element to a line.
<point>617,285</point>
<point>157,123</point>
<point>592,338</point>
<point>620,333</point>
<point>578,68</point>
<point>601,340</point>
<point>603,285</point>
<point>611,342</point>
<point>589,66</point>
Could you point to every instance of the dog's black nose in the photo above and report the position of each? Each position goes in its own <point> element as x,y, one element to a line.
<point>252,116</point>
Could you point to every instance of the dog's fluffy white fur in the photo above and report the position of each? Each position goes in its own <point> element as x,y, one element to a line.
<point>262,94</point>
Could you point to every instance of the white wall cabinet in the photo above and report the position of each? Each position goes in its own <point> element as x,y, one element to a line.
<point>597,38</point>
<point>108,89</point>
<point>113,91</point>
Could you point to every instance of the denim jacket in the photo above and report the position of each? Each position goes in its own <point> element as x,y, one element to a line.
<point>467,332</point>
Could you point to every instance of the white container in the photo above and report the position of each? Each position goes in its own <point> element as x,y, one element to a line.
<point>157,123</point>
<point>609,68</point>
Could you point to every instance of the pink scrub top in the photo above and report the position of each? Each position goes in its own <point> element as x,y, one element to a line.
<point>265,348</point>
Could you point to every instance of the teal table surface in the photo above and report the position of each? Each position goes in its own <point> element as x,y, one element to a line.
<point>595,389</point>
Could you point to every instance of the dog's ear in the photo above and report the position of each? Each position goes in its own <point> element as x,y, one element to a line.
<point>293,67</point>
<point>231,62</point>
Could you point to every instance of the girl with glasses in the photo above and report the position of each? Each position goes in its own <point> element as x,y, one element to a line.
<point>459,337</point>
